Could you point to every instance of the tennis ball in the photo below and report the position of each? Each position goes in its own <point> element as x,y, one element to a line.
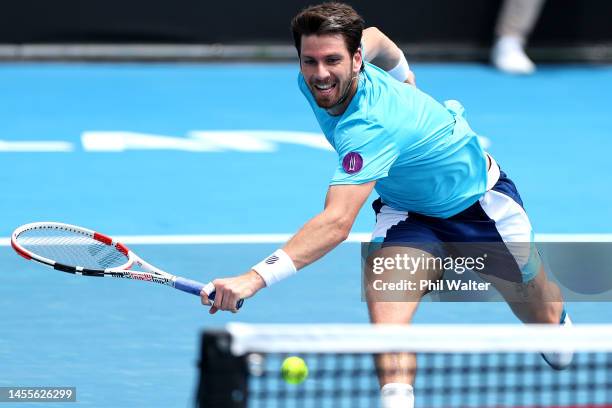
<point>294,370</point>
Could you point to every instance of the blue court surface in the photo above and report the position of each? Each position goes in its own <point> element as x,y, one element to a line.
<point>216,150</point>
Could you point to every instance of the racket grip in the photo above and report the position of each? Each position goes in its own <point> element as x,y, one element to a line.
<point>188,285</point>
<point>195,288</point>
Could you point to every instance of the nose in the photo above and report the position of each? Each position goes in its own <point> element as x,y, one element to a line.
<point>321,73</point>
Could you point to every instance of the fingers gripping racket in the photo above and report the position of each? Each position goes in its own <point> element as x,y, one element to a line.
<point>77,250</point>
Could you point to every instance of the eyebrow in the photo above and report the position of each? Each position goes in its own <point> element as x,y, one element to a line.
<point>334,55</point>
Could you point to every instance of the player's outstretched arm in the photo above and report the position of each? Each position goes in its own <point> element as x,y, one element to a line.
<point>316,238</point>
<point>331,227</point>
<point>385,54</point>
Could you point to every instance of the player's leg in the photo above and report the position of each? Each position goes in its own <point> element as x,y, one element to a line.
<point>394,229</point>
<point>396,371</point>
<point>532,297</point>
<point>535,301</point>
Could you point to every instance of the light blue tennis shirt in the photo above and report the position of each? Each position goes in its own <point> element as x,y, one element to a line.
<point>424,155</point>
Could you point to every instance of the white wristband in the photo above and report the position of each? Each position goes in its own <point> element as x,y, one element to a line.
<point>276,267</point>
<point>401,70</point>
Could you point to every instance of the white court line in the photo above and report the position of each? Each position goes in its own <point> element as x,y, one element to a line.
<point>35,146</point>
<point>281,238</point>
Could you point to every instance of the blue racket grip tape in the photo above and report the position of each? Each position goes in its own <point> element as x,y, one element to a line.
<point>188,285</point>
<point>195,288</point>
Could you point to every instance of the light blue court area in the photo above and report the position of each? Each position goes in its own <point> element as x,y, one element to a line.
<point>142,150</point>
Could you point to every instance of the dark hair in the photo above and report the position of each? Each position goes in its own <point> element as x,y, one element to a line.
<point>329,18</point>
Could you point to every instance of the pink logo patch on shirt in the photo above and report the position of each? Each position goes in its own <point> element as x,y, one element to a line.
<point>352,163</point>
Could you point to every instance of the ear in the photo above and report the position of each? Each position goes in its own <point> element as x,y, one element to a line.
<point>357,61</point>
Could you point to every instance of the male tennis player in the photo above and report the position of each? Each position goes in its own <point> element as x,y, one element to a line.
<point>436,184</point>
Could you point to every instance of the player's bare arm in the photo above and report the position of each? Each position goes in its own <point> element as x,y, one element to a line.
<point>380,50</point>
<point>331,227</point>
<point>384,53</point>
<point>315,239</point>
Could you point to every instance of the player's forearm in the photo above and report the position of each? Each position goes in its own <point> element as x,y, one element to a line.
<point>319,236</point>
<point>380,50</point>
<point>389,59</point>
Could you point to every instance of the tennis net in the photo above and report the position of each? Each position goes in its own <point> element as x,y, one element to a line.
<point>457,365</point>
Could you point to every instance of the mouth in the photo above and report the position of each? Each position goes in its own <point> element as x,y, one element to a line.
<point>324,89</point>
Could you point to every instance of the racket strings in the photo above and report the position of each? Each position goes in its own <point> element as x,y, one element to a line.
<point>71,248</point>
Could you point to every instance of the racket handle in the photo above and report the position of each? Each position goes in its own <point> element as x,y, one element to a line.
<point>188,285</point>
<point>195,288</point>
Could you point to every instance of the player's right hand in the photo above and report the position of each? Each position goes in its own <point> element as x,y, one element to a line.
<point>229,291</point>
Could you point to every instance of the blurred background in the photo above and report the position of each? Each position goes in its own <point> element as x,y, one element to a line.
<point>438,30</point>
<point>179,127</point>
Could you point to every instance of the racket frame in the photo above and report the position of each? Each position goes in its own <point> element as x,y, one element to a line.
<point>150,273</point>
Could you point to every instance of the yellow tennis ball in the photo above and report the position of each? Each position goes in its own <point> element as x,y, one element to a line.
<point>294,370</point>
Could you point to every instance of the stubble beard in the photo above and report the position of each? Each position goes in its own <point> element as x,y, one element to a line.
<point>342,94</point>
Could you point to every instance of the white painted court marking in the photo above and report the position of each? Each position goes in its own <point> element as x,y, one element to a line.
<point>281,238</point>
<point>94,141</point>
<point>211,141</point>
<point>253,141</point>
<point>35,146</point>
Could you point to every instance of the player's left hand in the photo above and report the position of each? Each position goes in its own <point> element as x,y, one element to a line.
<point>411,80</point>
<point>229,291</point>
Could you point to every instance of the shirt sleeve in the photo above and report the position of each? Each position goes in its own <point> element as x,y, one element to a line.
<point>366,153</point>
<point>302,84</point>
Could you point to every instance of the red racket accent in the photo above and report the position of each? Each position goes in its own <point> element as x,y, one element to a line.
<point>122,248</point>
<point>143,277</point>
<point>20,252</point>
<point>103,238</point>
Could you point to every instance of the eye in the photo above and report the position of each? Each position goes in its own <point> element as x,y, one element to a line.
<point>333,60</point>
<point>308,62</point>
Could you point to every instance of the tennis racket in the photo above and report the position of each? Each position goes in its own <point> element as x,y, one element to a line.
<point>80,251</point>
